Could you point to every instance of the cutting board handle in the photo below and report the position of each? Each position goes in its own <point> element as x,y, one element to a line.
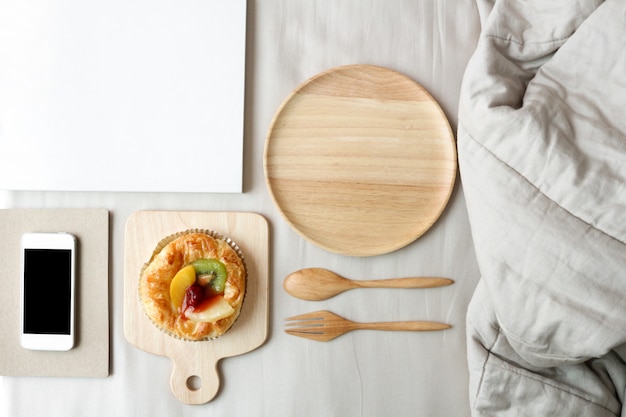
<point>194,383</point>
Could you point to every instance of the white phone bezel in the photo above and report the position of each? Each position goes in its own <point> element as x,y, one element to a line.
<point>56,342</point>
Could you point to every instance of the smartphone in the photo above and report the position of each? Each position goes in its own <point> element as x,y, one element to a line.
<point>48,293</point>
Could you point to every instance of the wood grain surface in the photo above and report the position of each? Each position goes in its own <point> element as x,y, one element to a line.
<point>195,378</point>
<point>360,160</point>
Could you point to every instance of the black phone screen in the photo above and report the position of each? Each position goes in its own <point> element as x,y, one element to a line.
<point>47,291</point>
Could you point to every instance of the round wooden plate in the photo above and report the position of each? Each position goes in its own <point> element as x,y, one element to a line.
<point>360,160</point>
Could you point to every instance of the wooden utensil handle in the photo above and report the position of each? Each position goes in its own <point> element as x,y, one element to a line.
<point>414,326</point>
<point>425,282</point>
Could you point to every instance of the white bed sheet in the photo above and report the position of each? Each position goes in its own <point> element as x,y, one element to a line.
<point>362,373</point>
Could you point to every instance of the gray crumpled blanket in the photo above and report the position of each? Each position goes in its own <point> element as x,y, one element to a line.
<point>542,156</point>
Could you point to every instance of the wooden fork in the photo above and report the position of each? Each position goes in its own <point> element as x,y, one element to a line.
<point>324,326</point>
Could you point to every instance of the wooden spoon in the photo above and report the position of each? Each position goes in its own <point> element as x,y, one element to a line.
<point>317,284</point>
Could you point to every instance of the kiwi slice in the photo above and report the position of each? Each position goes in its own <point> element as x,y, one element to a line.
<point>211,273</point>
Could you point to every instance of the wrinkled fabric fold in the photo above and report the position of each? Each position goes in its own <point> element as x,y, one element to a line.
<point>542,156</point>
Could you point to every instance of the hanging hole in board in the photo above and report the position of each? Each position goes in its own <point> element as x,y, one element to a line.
<point>194,383</point>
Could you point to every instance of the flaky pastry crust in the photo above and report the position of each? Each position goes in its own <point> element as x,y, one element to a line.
<point>154,284</point>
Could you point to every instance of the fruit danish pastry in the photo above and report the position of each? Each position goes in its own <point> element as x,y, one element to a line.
<point>194,285</point>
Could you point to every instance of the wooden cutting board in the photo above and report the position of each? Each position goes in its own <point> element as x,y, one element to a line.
<point>360,160</point>
<point>195,378</point>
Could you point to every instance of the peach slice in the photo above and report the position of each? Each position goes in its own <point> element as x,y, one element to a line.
<point>210,310</point>
<point>181,281</point>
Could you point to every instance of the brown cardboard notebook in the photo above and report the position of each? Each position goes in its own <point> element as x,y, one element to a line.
<point>90,356</point>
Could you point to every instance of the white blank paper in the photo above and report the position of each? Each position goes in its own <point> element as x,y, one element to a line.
<point>122,95</point>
